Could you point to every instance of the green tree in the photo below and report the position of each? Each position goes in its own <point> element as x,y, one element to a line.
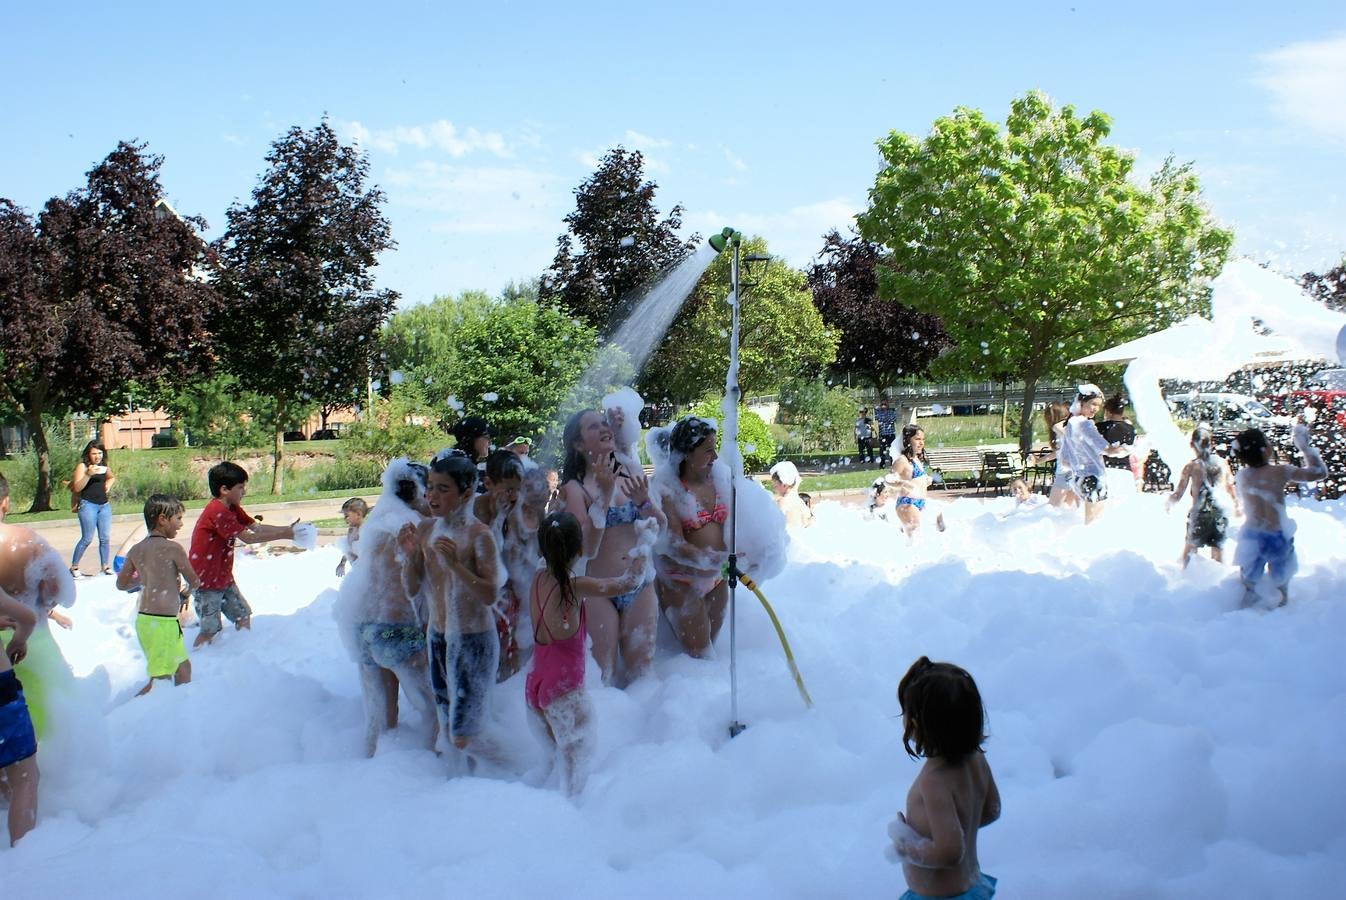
<point>217,411</point>
<point>398,425</point>
<point>819,417</point>
<point>297,268</point>
<point>512,362</point>
<point>755,443</point>
<point>1031,243</point>
<point>781,334</point>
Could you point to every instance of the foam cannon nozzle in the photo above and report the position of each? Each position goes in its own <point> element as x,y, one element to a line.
<point>724,239</point>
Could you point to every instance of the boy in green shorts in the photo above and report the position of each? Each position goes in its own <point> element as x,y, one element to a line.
<point>156,567</point>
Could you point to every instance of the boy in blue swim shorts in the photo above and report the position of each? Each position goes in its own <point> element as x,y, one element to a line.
<point>18,741</point>
<point>1266,544</point>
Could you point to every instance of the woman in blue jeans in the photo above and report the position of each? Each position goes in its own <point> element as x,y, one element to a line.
<point>91,481</point>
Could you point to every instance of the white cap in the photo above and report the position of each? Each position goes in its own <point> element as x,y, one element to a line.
<point>786,472</point>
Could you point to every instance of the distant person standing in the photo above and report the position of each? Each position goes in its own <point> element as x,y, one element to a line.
<point>472,435</point>
<point>864,436</point>
<point>91,481</point>
<point>887,422</point>
<point>1121,437</point>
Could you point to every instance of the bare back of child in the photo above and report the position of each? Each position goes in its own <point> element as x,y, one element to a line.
<point>955,793</point>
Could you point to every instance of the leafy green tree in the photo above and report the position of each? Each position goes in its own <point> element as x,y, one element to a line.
<point>616,243</point>
<point>217,411</point>
<point>397,425</point>
<point>755,442</point>
<point>512,362</point>
<point>297,268</point>
<point>818,417</point>
<point>781,334</point>
<point>102,290</point>
<point>1031,243</point>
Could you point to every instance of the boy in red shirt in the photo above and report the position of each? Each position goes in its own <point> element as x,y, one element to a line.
<point>212,555</point>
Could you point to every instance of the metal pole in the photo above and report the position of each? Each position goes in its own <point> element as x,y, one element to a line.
<point>732,392</point>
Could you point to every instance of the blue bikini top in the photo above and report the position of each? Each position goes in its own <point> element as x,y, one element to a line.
<point>623,515</point>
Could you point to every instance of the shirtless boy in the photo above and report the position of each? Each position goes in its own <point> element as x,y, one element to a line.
<point>455,557</point>
<point>1267,541</point>
<point>159,564</point>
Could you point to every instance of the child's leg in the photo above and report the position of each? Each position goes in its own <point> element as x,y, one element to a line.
<point>235,608</point>
<point>375,697</point>
<point>20,780</point>
<point>88,526</point>
<point>638,626</point>
<point>570,722</point>
<point>603,631</point>
<point>208,604</point>
<point>472,662</point>
<point>184,673</point>
<point>415,681</point>
<point>389,680</point>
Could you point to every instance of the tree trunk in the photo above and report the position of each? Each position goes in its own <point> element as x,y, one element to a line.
<point>1026,415</point>
<point>32,416</point>
<point>278,452</point>
<point>1004,408</point>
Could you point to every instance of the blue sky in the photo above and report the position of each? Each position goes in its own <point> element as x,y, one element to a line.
<point>480,119</point>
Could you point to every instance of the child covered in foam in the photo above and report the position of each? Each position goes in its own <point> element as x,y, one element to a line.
<point>1266,545</point>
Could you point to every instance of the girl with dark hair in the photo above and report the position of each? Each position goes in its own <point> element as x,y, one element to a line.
<point>613,507</point>
<point>1082,450</point>
<point>911,479</point>
<point>91,482</point>
<point>558,707</point>
<point>694,490</point>
<point>1119,468</point>
<point>955,794</point>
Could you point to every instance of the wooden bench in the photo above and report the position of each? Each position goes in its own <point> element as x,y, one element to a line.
<point>947,460</point>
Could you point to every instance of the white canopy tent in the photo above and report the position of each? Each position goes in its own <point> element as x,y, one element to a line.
<point>1198,349</point>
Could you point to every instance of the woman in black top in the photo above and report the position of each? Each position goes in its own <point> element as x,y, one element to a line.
<point>91,481</point>
<point>1121,437</point>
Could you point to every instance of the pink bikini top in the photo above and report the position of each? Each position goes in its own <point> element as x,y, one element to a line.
<point>718,513</point>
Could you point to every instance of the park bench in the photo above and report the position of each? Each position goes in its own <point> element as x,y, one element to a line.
<point>947,461</point>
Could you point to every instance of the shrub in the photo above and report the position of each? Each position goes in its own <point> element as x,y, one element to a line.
<point>755,441</point>
<point>818,417</point>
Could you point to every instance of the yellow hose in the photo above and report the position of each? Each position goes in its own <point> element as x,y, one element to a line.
<point>780,633</point>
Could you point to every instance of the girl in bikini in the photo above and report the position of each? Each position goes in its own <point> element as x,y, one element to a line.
<point>618,522</point>
<point>910,478</point>
<point>558,707</point>
<point>694,489</point>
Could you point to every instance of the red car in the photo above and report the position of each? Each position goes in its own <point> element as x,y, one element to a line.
<point>1324,391</point>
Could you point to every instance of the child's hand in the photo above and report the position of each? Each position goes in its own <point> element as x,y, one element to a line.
<point>448,547</point>
<point>341,567</point>
<point>905,838</point>
<point>1301,436</point>
<point>407,539</point>
<point>61,619</point>
<point>638,488</point>
<point>17,650</point>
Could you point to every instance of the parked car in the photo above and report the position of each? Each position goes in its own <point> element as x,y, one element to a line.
<point>1223,410</point>
<point>295,436</point>
<point>324,434</point>
<point>1324,391</point>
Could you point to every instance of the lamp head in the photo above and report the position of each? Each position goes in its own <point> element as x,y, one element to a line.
<point>725,238</point>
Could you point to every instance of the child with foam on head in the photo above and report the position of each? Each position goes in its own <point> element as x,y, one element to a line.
<point>18,739</point>
<point>354,512</point>
<point>454,556</point>
<point>558,706</point>
<point>785,486</point>
<point>221,523</point>
<point>1212,496</point>
<point>1266,544</point>
<point>955,793</point>
<point>157,567</point>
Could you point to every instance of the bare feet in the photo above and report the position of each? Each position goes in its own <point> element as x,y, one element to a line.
<point>202,639</point>
<point>244,622</point>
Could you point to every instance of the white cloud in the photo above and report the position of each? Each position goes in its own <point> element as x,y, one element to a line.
<point>794,234</point>
<point>643,142</point>
<point>479,199</point>
<point>735,161</point>
<point>440,135</point>
<point>1307,82</point>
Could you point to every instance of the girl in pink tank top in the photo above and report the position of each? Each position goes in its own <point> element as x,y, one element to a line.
<point>554,689</point>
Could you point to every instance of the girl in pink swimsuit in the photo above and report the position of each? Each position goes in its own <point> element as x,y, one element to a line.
<point>559,709</point>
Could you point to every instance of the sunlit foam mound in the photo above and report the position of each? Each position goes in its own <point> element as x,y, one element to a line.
<point>760,528</point>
